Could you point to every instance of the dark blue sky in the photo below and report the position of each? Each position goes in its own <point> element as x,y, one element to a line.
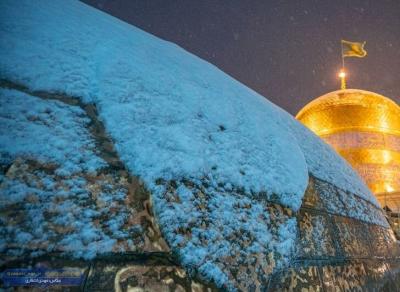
<point>289,51</point>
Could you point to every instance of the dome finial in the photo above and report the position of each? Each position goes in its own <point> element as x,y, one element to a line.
<point>342,76</point>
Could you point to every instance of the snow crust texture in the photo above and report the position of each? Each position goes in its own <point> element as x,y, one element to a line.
<point>156,98</point>
<point>224,235</point>
<point>225,167</point>
<point>47,131</point>
<point>55,194</point>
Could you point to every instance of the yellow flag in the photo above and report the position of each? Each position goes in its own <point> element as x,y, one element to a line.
<point>353,49</point>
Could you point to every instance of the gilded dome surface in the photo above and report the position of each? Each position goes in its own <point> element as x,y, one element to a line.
<point>364,127</point>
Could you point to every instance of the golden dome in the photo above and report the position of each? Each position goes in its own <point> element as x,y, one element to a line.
<point>364,127</point>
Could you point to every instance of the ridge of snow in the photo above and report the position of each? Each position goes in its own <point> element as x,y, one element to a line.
<point>156,98</point>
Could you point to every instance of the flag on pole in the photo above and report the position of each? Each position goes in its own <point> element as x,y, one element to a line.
<point>353,49</point>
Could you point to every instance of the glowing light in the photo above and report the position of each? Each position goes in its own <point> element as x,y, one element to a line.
<point>389,189</point>
<point>387,156</point>
<point>342,74</point>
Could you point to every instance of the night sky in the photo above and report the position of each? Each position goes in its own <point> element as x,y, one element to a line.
<point>289,51</point>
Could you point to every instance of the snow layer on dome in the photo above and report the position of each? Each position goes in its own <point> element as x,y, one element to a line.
<point>53,206</point>
<point>48,131</point>
<point>170,113</point>
<point>224,234</point>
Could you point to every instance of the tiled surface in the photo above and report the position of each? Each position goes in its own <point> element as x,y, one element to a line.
<point>353,237</point>
<point>139,277</point>
<point>394,268</point>
<point>330,198</point>
<point>297,279</point>
<point>334,253</point>
<point>315,238</point>
<point>328,278</point>
<point>311,198</point>
<point>351,276</point>
<point>380,276</point>
<point>337,252</point>
<point>130,202</point>
<point>379,243</point>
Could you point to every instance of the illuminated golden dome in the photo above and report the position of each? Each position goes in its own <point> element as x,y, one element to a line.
<point>364,127</point>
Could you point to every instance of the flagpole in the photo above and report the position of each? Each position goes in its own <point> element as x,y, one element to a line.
<point>342,73</point>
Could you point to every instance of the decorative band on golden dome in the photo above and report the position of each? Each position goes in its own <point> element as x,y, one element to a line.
<point>379,168</point>
<point>353,139</point>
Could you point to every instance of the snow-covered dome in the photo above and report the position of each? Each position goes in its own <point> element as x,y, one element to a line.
<point>154,97</point>
<point>114,141</point>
